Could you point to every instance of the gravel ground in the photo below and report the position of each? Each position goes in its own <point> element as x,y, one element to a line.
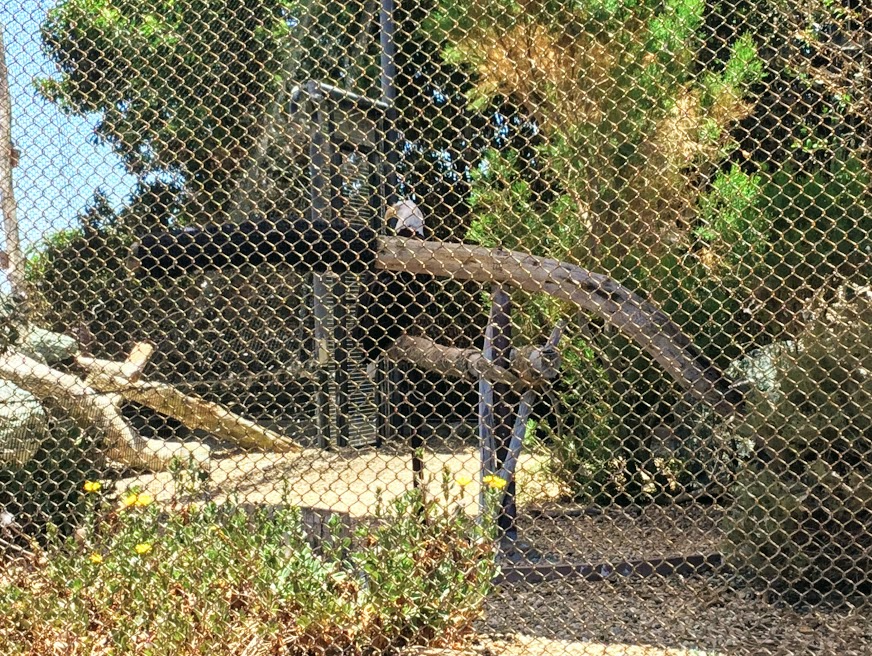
<point>625,534</point>
<point>656,616</point>
<point>660,616</point>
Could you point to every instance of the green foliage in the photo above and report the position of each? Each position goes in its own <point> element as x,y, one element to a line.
<point>742,69</point>
<point>586,455</point>
<point>186,578</point>
<point>428,567</point>
<point>613,183</point>
<point>45,495</point>
<point>203,327</point>
<point>824,220</point>
<point>731,222</point>
<point>803,508</point>
<point>182,87</point>
<point>603,451</point>
<point>175,85</point>
<point>78,274</point>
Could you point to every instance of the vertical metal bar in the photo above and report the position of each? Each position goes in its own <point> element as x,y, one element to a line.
<point>341,359</point>
<point>319,155</point>
<point>394,376</point>
<point>495,414</point>
<point>389,95</point>
<point>321,313</point>
<point>503,406</point>
<point>525,408</point>
<point>486,420</point>
<point>388,50</point>
<point>319,173</point>
<point>414,421</point>
<point>321,164</point>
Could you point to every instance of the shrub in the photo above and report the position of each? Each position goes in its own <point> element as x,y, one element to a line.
<point>803,510</point>
<point>186,578</point>
<point>44,455</point>
<point>45,495</point>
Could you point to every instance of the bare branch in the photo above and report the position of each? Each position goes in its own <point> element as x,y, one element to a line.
<point>637,318</point>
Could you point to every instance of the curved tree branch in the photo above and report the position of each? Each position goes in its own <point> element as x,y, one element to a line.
<point>321,246</point>
<point>596,293</point>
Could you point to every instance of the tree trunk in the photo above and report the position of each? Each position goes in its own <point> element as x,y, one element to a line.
<point>15,260</point>
<point>91,408</point>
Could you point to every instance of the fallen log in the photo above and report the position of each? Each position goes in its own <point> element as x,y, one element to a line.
<point>131,368</point>
<point>192,411</point>
<point>91,408</point>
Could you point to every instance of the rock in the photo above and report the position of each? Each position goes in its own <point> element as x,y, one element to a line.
<point>45,345</point>
<point>760,366</point>
<point>23,425</point>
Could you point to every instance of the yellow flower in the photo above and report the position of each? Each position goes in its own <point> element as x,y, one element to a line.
<point>144,499</point>
<point>495,482</point>
<point>96,558</point>
<point>463,480</point>
<point>142,548</point>
<point>93,486</point>
<point>138,500</point>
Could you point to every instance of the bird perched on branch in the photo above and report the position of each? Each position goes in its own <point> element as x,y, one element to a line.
<point>406,219</point>
<point>392,301</point>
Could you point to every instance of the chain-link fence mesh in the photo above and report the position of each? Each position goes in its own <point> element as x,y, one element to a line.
<point>372,327</point>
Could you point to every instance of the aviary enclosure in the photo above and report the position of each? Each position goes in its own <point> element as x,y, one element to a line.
<point>461,326</point>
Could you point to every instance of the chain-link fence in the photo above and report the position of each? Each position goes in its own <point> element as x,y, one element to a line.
<point>480,326</point>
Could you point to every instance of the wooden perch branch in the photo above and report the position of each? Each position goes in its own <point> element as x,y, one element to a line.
<point>131,368</point>
<point>197,413</point>
<point>449,361</point>
<point>89,407</point>
<point>640,320</point>
<point>194,412</point>
<point>342,248</point>
<point>530,366</point>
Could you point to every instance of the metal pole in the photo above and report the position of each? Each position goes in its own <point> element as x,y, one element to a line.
<point>495,412</point>
<point>319,173</point>
<point>319,155</point>
<point>321,313</point>
<point>397,374</point>
<point>389,95</point>
<point>341,357</point>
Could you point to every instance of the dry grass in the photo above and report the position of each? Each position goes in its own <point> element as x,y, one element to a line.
<point>672,616</point>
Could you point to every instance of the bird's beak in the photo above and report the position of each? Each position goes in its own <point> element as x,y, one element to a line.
<point>390,214</point>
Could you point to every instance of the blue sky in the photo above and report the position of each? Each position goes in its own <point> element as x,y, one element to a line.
<point>60,165</point>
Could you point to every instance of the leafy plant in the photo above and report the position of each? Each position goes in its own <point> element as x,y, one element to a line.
<point>45,495</point>
<point>627,121</point>
<point>183,578</point>
<point>800,524</point>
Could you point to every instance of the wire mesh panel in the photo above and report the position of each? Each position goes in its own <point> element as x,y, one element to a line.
<point>463,326</point>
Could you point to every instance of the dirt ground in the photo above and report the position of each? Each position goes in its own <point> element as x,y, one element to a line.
<point>655,616</point>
